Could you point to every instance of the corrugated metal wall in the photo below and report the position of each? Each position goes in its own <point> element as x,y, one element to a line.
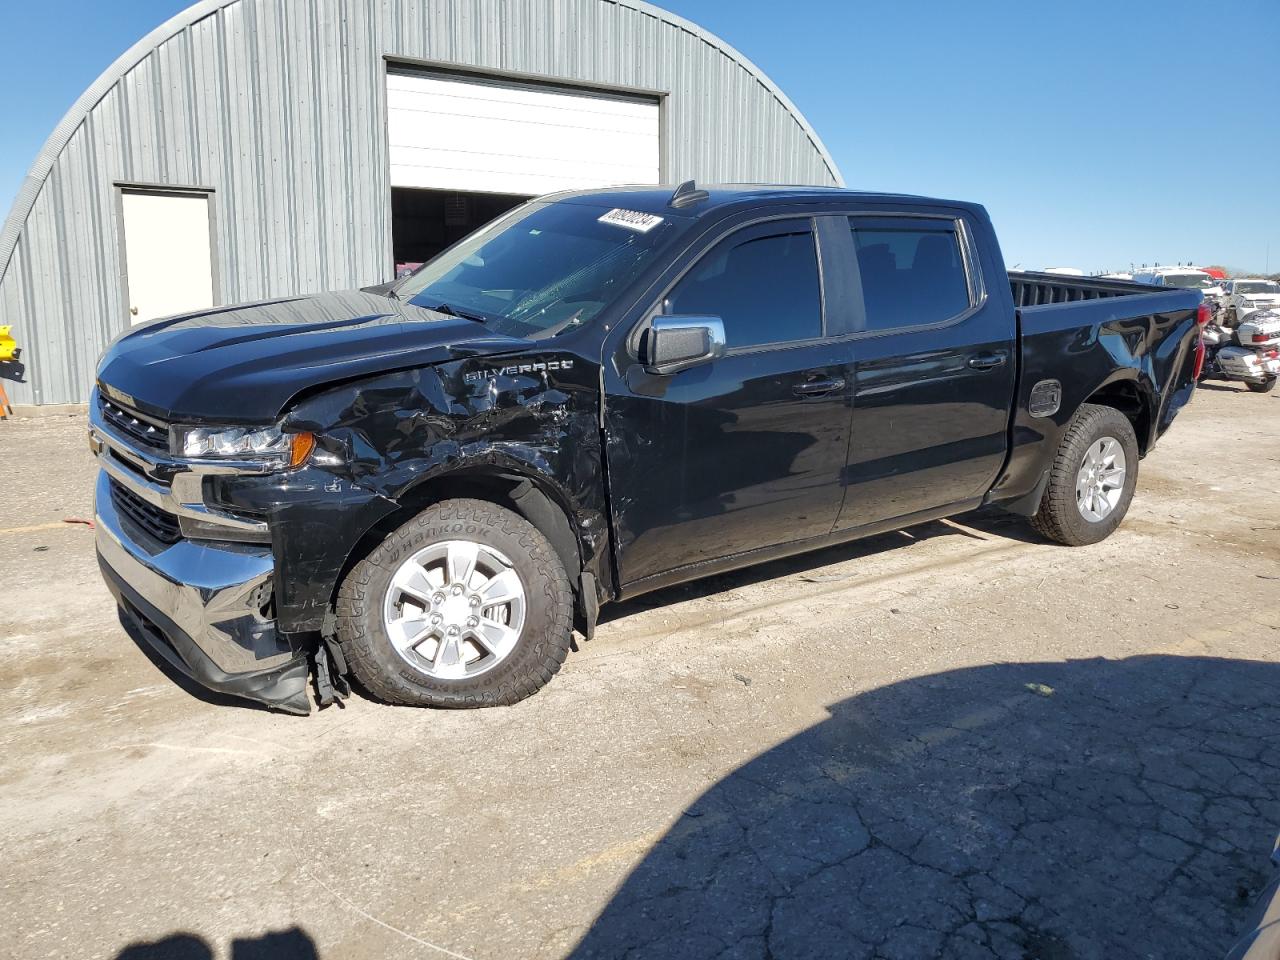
<point>278,106</point>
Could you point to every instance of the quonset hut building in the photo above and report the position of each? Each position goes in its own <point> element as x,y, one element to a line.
<point>249,149</point>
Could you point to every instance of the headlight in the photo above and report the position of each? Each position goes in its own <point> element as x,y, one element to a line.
<point>243,443</point>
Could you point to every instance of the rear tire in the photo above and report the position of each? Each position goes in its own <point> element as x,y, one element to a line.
<point>408,582</point>
<point>1265,387</point>
<point>1075,519</point>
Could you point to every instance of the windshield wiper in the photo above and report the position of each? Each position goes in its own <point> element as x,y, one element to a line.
<point>455,312</point>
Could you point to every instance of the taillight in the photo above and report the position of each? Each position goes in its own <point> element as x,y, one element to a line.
<point>1199,364</point>
<point>1203,314</point>
<point>1261,337</point>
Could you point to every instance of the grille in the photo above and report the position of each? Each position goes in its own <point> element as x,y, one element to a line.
<point>160,525</point>
<point>150,433</point>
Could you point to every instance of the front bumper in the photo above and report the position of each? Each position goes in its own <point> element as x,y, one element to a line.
<point>202,606</point>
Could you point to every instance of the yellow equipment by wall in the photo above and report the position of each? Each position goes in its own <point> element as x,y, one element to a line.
<point>8,354</point>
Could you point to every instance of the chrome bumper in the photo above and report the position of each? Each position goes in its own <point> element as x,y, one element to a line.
<point>203,605</point>
<point>200,607</point>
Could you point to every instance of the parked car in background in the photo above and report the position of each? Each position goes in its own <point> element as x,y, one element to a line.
<point>1250,293</point>
<point>427,484</point>
<point>1185,278</point>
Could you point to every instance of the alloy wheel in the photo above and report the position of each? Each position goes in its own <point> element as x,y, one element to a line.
<point>1100,480</point>
<point>454,609</point>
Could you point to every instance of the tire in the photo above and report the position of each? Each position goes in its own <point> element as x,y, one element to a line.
<point>1265,387</point>
<point>367,597</point>
<point>1061,517</point>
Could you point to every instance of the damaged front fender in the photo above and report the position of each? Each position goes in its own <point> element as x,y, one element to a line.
<point>384,443</point>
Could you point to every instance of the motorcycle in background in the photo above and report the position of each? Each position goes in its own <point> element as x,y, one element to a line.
<point>1245,348</point>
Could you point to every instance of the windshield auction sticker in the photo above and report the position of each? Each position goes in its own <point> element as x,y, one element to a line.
<point>632,220</point>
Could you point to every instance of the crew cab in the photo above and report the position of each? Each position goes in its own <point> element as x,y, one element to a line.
<point>430,484</point>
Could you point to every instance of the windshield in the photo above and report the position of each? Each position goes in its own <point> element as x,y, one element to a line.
<point>1189,281</point>
<point>1258,286</point>
<point>544,269</point>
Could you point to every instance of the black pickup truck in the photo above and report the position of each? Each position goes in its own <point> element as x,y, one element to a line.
<point>429,485</point>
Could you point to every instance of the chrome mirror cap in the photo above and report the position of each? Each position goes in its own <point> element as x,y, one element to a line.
<point>675,343</point>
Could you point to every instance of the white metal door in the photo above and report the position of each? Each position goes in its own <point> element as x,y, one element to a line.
<point>496,137</point>
<point>168,260</point>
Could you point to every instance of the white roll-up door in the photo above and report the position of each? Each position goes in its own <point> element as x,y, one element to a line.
<point>496,137</point>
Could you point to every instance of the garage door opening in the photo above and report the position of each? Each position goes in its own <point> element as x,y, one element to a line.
<point>465,150</point>
<point>424,222</point>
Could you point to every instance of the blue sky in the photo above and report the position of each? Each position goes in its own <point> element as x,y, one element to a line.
<point>1096,133</point>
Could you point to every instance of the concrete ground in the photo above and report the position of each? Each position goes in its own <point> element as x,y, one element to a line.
<point>959,741</point>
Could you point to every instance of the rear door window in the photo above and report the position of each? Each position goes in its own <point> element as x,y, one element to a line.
<point>912,272</point>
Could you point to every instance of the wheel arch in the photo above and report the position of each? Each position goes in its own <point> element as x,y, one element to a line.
<point>1021,485</point>
<point>522,492</point>
<point>1134,399</point>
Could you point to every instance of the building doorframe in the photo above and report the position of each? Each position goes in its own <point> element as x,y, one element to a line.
<point>209,194</point>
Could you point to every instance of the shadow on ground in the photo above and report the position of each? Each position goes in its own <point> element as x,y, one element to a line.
<point>291,944</point>
<point>175,676</point>
<point>988,524</point>
<point>1058,811</point>
<point>1224,387</point>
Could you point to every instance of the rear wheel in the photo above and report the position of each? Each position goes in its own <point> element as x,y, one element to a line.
<point>1265,387</point>
<point>466,605</point>
<point>1092,479</point>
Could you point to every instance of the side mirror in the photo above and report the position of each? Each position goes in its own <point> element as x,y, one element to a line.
<point>676,343</point>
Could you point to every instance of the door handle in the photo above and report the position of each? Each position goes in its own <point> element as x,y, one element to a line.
<point>987,361</point>
<point>816,388</point>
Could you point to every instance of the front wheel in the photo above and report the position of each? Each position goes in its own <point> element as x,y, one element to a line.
<point>466,605</point>
<point>1092,478</point>
<point>1266,386</point>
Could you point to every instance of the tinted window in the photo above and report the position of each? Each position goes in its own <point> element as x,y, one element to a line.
<point>910,276</point>
<point>763,286</point>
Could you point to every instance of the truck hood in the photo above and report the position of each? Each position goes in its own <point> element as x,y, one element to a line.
<point>244,364</point>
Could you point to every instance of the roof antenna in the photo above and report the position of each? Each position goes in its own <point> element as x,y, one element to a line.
<point>686,195</point>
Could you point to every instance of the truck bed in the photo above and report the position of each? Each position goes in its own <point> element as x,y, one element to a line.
<point>1038,289</point>
<point>1142,350</point>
